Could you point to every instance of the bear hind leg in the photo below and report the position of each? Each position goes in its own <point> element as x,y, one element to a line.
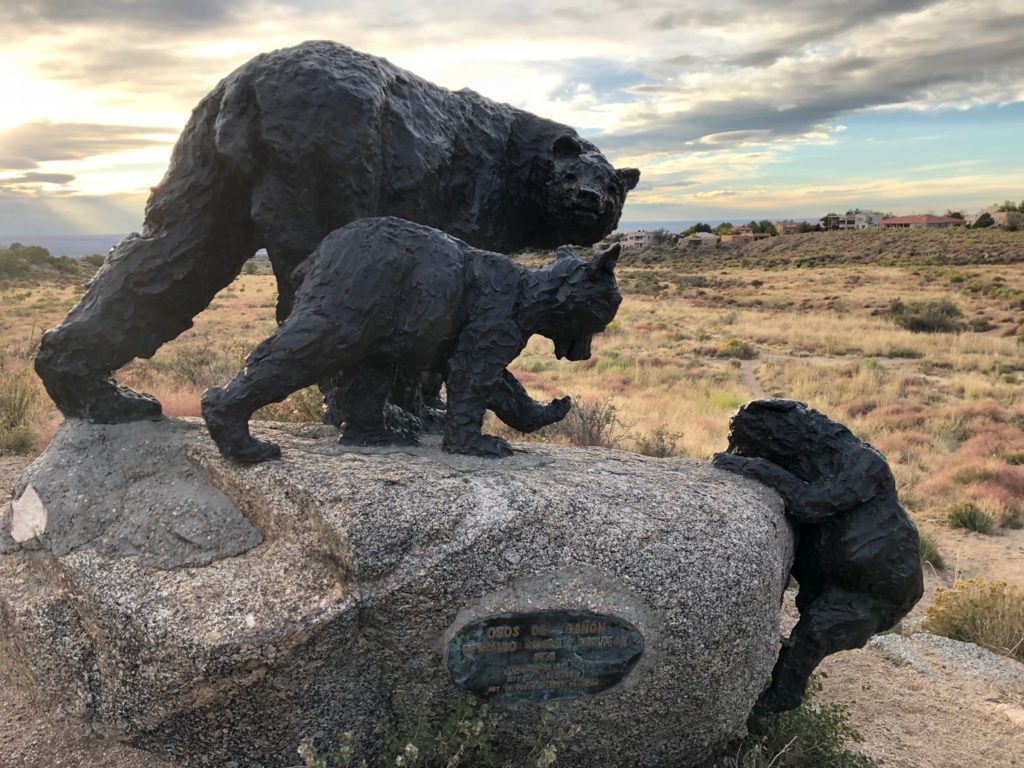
<point>365,392</point>
<point>304,350</point>
<point>837,620</point>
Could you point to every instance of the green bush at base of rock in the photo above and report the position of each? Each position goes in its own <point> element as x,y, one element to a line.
<point>811,736</point>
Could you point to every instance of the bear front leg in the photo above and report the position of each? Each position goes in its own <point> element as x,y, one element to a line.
<point>510,403</point>
<point>788,485</point>
<point>474,367</point>
<point>805,502</point>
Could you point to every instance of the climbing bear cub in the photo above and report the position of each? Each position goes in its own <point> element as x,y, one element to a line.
<point>385,296</point>
<point>856,558</point>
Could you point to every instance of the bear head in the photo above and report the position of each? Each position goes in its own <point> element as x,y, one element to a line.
<point>791,435</point>
<point>573,194</point>
<point>581,299</point>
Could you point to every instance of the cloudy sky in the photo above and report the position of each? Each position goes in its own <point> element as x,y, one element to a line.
<point>733,110</point>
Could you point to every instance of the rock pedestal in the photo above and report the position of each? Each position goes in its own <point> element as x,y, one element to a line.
<point>333,590</point>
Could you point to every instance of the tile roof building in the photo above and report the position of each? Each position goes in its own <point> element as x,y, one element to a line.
<point>924,221</point>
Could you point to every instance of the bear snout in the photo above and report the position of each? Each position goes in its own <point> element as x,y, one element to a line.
<point>574,350</point>
<point>589,199</point>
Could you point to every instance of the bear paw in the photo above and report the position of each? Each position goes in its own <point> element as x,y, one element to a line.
<point>252,452</point>
<point>487,446</point>
<point>558,409</point>
<point>355,437</point>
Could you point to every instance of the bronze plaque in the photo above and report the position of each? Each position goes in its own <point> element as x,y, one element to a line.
<point>543,655</point>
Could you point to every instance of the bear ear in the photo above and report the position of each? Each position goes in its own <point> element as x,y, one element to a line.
<point>630,177</point>
<point>567,144</point>
<point>565,252</point>
<point>606,260</point>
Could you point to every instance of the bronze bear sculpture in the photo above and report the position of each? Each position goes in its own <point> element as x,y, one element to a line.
<point>856,560</point>
<point>385,296</point>
<point>291,146</point>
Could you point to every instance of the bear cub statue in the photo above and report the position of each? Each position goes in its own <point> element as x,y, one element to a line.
<point>856,557</point>
<point>384,298</point>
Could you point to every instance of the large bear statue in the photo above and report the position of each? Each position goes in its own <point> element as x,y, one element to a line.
<point>291,146</point>
<point>384,296</point>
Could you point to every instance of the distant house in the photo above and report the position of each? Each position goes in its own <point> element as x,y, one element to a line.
<point>830,221</point>
<point>743,237</point>
<point>993,210</point>
<point>923,221</point>
<point>701,240</point>
<point>743,229</point>
<point>999,218</point>
<point>859,219</point>
<point>1009,218</point>
<point>639,239</point>
<point>788,227</point>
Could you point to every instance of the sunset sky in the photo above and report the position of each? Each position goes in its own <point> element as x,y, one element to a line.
<point>733,110</point>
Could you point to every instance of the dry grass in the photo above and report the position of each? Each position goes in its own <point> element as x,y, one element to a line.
<point>987,613</point>
<point>946,408</point>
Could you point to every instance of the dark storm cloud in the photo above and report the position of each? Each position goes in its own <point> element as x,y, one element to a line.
<point>28,145</point>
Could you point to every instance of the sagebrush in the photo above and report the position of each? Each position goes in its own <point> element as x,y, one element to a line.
<point>986,613</point>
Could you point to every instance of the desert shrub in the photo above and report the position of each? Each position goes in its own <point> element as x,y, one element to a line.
<point>32,262</point>
<point>18,398</point>
<point>11,265</point>
<point>1012,521</point>
<point>1014,457</point>
<point>304,406</point>
<point>198,366</point>
<point>969,475</point>
<point>588,424</point>
<point>660,444</point>
<point>986,613</point>
<point>191,365</point>
<point>967,514</point>
<point>927,317</point>
<point>17,440</point>
<point>737,348</point>
<point>94,259</point>
<point>810,736</point>
<point>463,738</point>
<point>929,551</point>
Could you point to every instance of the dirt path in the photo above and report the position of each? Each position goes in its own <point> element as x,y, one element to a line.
<point>748,374</point>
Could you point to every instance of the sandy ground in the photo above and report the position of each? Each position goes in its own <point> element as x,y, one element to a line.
<point>943,720</point>
<point>934,713</point>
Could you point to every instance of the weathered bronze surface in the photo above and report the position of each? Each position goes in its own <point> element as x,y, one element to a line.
<point>543,655</point>
<point>291,146</point>
<point>857,558</point>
